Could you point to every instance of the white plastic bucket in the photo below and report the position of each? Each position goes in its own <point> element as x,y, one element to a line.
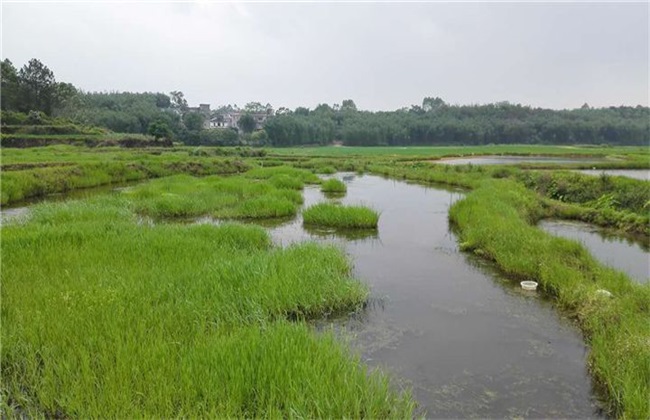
<point>529,285</point>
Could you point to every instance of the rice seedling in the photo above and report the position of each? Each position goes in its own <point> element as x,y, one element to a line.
<point>326,170</point>
<point>286,182</point>
<point>231,198</point>
<point>333,185</point>
<point>103,317</point>
<point>347,217</point>
<point>295,173</point>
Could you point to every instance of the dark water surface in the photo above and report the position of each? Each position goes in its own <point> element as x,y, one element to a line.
<point>513,160</point>
<point>625,254</point>
<point>468,342</point>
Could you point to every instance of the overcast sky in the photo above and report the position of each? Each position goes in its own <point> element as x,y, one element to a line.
<point>383,55</point>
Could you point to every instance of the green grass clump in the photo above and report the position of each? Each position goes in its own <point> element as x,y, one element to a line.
<point>333,185</point>
<point>326,170</point>
<point>347,217</point>
<point>233,198</point>
<point>497,221</point>
<point>304,175</point>
<point>104,317</point>
<point>287,182</point>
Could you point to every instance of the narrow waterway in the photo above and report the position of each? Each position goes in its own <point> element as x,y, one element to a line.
<point>467,341</point>
<point>642,174</point>
<point>625,254</point>
<point>514,160</point>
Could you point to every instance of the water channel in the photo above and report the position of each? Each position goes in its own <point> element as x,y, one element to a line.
<point>642,174</point>
<point>468,342</point>
<point>514,160</point>
<point>625,254</point>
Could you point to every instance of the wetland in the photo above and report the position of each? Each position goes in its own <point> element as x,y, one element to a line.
<point>419,311</point>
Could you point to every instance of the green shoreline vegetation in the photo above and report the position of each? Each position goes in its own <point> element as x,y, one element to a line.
<point>494,221</point>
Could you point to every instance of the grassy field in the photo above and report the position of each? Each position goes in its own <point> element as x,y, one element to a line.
<point>40,171</point>
<point>106,317</point>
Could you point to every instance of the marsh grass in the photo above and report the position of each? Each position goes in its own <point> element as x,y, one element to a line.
<point>304,175</point>
<point>41,181</point>
<point>338,216</point>
<point>229,198</point>
<point>333,186</point>
<point>325,170</point>
<point>497,221</point>
<point>103,317</point>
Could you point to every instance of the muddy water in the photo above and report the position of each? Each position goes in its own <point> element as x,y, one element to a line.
<point>468,342</point>
<point>513,160</point>
<point>625,254</point>
<point>642,174</point>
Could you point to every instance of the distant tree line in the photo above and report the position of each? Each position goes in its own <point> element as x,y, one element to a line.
<point>437,123</point>
<point>34,88</point>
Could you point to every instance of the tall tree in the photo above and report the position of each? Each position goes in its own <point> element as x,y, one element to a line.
<point>9,90</point>
<point>163,101</point>
<point>193,121</point>
<point>432,104</point>
<point>247,123</point>
<point>254,107</point>
<point>178,101</point>
<point>65,95</point>
<point>37,87</point>
<point>348,105</point>
<point>159,129</point>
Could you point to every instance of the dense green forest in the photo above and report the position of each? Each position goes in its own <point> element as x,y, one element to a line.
<point>443,124</point>
<point>434,122</point>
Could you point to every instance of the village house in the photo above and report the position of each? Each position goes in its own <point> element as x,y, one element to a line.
<point>231,119</point>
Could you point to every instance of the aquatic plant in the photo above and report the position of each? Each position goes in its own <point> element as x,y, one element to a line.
<point>333,185</point>
<point>232,197</point>
<point>338,216</point>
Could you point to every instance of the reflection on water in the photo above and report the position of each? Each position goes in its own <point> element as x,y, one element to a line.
<point>513,160</point>
<point>467,341</point>
<point>642,174</point>
<point>625,254</point>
